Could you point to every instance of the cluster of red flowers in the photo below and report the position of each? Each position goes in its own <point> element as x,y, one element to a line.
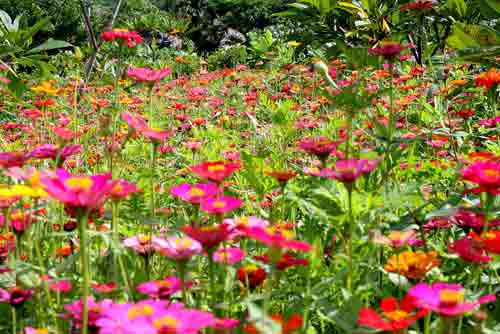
<point>123,36</point>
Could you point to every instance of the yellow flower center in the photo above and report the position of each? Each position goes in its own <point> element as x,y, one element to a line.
<point>117,188</point>
<point>143,239</point>
<point>216,168</point>
<point>219,204</point>
<point>183,243</point>
<point>396,315</point>
<point>42,331</point>
<point>491,173</point>
<point>79,183</point>
<point>196,192</point>
<point>166,321</point>
<point>163,284</point>
<point>451,297</point>
<point>140,311</point>
<point>16,216</point>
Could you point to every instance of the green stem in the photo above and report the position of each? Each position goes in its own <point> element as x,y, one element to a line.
<point>350,237</point>
<point>82,231</point>
<point>14,320</point>
<point>182,277</point>
<point>211,277</point>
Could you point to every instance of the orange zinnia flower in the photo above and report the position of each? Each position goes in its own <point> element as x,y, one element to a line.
<point>412,265</point>
<point>488,79</point>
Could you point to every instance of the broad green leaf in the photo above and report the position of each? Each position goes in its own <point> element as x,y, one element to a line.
<point>49,45</point>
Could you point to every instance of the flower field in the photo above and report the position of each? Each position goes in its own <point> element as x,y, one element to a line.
<point>322,197</point>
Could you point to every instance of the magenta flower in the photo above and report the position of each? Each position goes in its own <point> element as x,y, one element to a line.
<point>387,49</point>
<point>347,171</point>
<point>240,225</point>
<point>278,238</point>
<point>75,312</point>
<point>445,299</point>
<point>229,255</point>
<point>321,146</point>
<point>215,171</point>
<point>161,289</point>
<point>50,151</point>
<point>140,243</point>
<point>220,205</point>
<point>155,134</point>
<point>135,122</point>
<point>148,75</point>
<point>486,174</point>
<point>15,296</point>
<point>154,317</point>
<point>78,192</point>
<point>130,318</point>
<point>177,248</point>
<point>194,194</point>
<point>122,189</point>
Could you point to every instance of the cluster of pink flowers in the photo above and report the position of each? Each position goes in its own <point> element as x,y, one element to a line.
<point>146,317</point>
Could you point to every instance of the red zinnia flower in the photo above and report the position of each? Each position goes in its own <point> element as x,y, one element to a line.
<point>130,38</point>
<point>252,275</point>
<point>209,237</point>
<point>469,250</point>
<point>397,317</point>
<point>293,323</point>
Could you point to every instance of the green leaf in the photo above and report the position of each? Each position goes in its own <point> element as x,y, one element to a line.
<point>49,45</point>
<point>16,86</point>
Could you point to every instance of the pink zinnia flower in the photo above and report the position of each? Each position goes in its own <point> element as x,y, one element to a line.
<point>348,171</point>
<point>445,299</point>
<point>387,49</point>
<point>75,311</point>
<point>161,289</point>
<point>396,239</point>
<point>177,248</point>
<point>275,237</point>
<point>196,193</point>
<point>147,75</point>
<point>78,192</point>
<point>486,174</point>
<point>135,122</point>
<point>240,225</point>
<point>63,286</point>
<point>15,296</point>
<point>140,243</point>
<point>154,317</point>
<point>155,134</point>
<point>220,205</point>
<point>50,151</point>
<point>321,146</point>
<point>229,255</point>
<point>215,171</point>
<point>122,189</point>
